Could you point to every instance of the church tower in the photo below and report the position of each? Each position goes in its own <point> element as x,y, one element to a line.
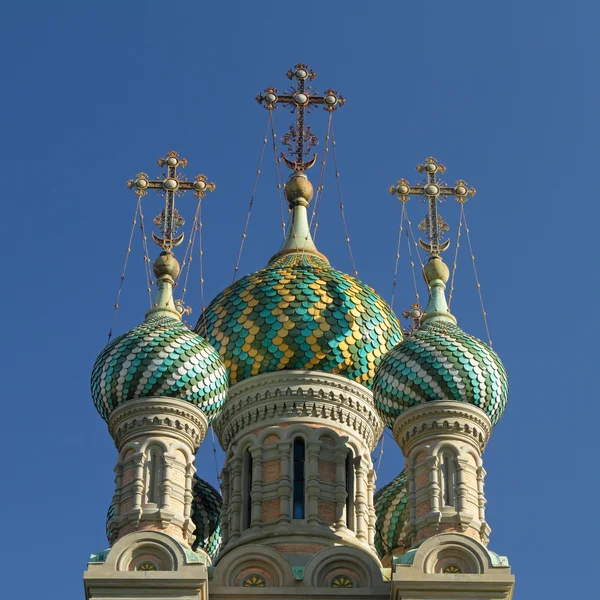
<point>298,367</point>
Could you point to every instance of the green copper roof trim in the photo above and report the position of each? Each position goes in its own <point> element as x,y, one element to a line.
<point>160,357</point>
<point>99,557</point>
<point>193,557</point>
<point>300,313</point>
<point>390,507</point>
<point>206,515</point>
<point>439,361</point>
<point>406,559</point>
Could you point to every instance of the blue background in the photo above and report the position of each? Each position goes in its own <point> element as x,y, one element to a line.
<point>504,93</point>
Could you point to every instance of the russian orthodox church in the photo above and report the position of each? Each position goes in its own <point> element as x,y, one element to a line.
<point>298,367</point>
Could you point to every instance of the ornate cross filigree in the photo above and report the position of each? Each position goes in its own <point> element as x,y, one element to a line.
<point>433,191</point>
<point>172,185</point>
<point>414,313</point>
<point>302,99</point>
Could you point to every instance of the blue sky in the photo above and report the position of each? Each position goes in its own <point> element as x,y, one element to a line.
<point>504,93</point>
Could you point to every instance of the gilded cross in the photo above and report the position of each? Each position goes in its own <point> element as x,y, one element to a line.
<point>414,313</point>
<point>171,185</point>
<point>433,191</point>
<point>302,99</point>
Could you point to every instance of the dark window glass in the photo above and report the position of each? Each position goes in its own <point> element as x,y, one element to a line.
<point>350,490</point>
<point>298,491</point>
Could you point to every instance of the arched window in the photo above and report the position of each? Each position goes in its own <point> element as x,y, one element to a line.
<point>154,475</point>
<point>447,471</point>
<point>247,479</point>
<point>298,485</point>
<point>350,490</point>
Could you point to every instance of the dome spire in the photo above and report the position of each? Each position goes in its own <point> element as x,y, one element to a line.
<point>166,267</point>
<point>301,99</point>
<point>436,272</point>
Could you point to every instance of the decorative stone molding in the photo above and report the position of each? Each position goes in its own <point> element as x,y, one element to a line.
<point>158,417</point>
<point>433,420</point>
<point>289,396</point>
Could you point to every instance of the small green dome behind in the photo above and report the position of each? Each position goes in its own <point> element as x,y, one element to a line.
<point>160,357</point>
<point>206,515</point>
<point>390,508</point>
<point>300,313</point>
<point>439,361</point>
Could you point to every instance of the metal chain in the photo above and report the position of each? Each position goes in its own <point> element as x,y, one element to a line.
<point>147,267</point>
<point>278,173</point>
<point>455,263</point>
<point>116,308</point>
<point>201,261</point>
<point>487,329</point>
<point>319,195</point>
<point>262,153</point>
<point>400,228</point>
<point>380,458</point>
<point>337,177</point>
<point>410,255</point>
<point>212,431</point>
<point>191,243</point>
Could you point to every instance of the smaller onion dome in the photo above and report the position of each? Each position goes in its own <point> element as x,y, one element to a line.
<point>390,507</point>
<point>206,515</point>
<point>439,361</point>
<point>160,357</point>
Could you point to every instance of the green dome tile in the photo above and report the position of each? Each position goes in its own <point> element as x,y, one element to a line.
<point>390,507</point>
<point>160,357</point>
<point>206,515</point>
<point>439,361</point>
<point>314,317</point>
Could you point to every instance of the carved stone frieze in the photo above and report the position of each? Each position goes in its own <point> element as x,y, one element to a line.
<point>287,396</point>
<point>158,417</point>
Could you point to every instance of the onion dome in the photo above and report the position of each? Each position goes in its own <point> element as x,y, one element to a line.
<point>299,312</point>
<point>160,357</point>
<point>390,507</point>
<point>206,515</point>
<point>439,361</point>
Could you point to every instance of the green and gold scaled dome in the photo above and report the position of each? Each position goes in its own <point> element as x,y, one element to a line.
<point>160,357</point>
<point>300,313</point>
<point>390,507</point>
<point>206,515</point>
<point>439,361</point>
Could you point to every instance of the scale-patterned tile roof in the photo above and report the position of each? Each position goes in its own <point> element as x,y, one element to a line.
<point>206,514</point>
<point>439,361</point>
<point>160,357</point>
<point>390,508</point>
<point>300,313</point>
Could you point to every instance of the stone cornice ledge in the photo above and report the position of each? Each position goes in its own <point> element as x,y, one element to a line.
<point>431,419</point>
<point>158,416</point>
<point>315,396</point>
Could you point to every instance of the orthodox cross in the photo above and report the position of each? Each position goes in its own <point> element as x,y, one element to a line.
<point>414,313</point>
<point>172,185</point>
<point>433,191</point>
<point>302,99</point>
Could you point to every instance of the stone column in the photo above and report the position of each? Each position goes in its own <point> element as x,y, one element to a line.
<point>236,497</point>
<point>361,504</point>
<point>226,514</point>
<point>431,434</point>
<point>170,431</point>
<point>340,488</point>
<point>312,482</point>
<point>257,487</point>
<point>285,483</point>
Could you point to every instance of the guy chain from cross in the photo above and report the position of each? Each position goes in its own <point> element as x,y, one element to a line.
<point>434,191</point>
<point>173,184</point>
<point>302,99</point>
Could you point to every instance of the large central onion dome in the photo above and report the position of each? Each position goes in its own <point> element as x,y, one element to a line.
<point>300,313</point>
<point>439,361</point>
<point>160,357</point>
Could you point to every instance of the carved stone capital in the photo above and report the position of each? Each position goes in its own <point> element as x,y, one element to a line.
<point>149,417</point>
<point>313,397</point>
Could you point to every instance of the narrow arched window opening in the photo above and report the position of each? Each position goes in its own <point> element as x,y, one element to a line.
<point>447,479</point>
<point>350,490</point>
<point>154,475</point>
<point>298,484</point>
<point>247,499</point>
